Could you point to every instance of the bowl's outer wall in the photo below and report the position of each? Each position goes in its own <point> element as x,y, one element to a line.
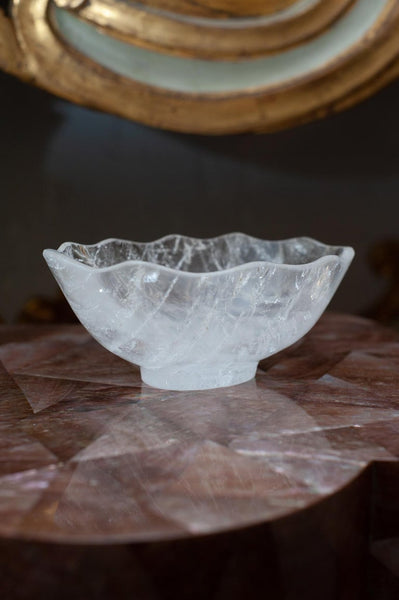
<point>155,317</point>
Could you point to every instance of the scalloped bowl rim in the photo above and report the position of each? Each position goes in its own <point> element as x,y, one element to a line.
<point>347,252</point>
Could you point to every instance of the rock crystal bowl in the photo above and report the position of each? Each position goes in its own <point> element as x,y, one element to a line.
<point>198,313</point>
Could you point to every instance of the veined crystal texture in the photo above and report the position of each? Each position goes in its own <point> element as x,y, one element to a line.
<point>198,313</point>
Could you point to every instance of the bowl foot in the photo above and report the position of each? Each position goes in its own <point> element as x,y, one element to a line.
<point>198,376</point>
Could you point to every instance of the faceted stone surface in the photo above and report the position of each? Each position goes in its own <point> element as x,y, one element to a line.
<point>198,314</point>
<point>284,485</point>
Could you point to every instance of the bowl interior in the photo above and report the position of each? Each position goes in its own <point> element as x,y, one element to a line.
<point>197,255</point>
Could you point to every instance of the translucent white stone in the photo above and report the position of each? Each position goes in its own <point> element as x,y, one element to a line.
<point>198,314</point>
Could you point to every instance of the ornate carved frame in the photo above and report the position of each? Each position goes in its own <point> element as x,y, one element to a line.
<point>33,48</point>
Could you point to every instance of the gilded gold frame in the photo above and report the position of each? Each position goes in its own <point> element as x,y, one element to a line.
<point>32,49</point>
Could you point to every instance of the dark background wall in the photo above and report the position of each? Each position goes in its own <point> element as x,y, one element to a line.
<point>69,173</point>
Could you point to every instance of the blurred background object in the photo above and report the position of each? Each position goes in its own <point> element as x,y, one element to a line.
<point>209,67</point>
<point>384,260</point>
<point>46,310</point>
